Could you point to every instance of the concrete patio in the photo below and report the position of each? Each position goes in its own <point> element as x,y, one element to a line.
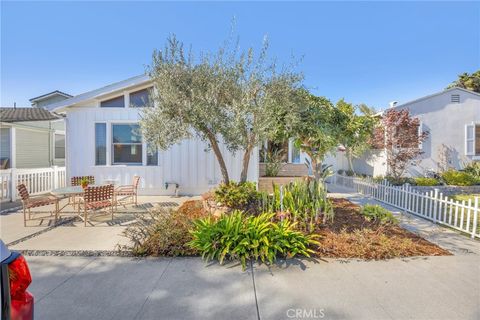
<point>101,234</point>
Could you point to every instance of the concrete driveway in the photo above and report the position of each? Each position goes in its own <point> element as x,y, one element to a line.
<point>185,288</point>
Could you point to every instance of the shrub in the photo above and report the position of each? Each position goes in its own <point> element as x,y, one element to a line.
<point>374,212</point>
<point>245,237</point>
<point>420,181</point>
<point>273,164</point>
<point>161,233</point>
<point>340,171</point>
<point>400,181</point>
<point>458,178</point>
<point>237,195</point>
<point>350,173</point>
<point>473,168</point>
<point>303,201</point>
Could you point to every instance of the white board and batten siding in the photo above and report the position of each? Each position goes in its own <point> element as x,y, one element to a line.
<point>188,164</point>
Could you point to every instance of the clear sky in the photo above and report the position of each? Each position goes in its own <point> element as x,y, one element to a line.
<point>370,52</point>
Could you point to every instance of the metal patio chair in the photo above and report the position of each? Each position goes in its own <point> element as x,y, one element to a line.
<point>94,199</point>
<point>29,202</point>
<point>127,192</point>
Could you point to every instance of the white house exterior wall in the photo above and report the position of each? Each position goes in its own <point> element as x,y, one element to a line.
<point>187,163</point>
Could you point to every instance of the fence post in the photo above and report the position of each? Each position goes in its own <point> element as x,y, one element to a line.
<point>475,217</point>
<point>13,184</point>
<point>435,204</point>
<point>55,177</point>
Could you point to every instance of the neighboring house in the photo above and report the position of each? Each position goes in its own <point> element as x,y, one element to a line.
<point>49,98</point>
<point>452,118</point>
<point>103,140</point>
<point>31,138</point>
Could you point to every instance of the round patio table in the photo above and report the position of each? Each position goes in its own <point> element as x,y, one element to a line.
<point>70,192</point>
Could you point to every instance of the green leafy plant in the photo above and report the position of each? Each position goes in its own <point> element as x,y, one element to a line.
<point>473,168</point>
<point>245,237</point>
<point>305,202</point>
<point>374,212</point>
<point>273,163</point>
<point>237,195</point>
<point>421,181</point>
<point>459,178</point>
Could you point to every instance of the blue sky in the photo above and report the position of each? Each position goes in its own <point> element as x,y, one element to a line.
<point>370,52</point>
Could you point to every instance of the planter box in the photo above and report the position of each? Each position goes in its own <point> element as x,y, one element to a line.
<point>266,183</point>
<point>449,190</point>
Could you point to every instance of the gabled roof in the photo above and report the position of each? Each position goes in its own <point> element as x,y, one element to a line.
<point>26,114</point>
<point>111,88</point>
<point>48,95</point>
<point>437,94</point>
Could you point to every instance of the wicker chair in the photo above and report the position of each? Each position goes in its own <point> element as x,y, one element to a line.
<point>75,181</point>
<point>96,198</point>
<point>29,202</point>
<point>127,192</point>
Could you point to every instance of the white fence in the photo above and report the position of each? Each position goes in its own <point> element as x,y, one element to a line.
<point>37,181</point>
<point>433,206</point>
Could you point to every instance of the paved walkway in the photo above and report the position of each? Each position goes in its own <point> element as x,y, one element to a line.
<point>185,288</point>
<point>71,235</point>
<point>451,240</point>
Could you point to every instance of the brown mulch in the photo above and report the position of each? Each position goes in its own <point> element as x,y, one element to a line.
<point>350,235</point>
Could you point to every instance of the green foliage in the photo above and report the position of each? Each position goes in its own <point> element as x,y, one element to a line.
<point>245,237</point>
<point>274,163</point>
<point>304,202</point>
<point>420,181</point>
<point>459,178</point>
<point>349,173</point>
<point>160,233</point>
<point>473,168</point>
<point>378,213</point>
<point>395,181</point>
<point>237,194</point>
<point>467,81</point>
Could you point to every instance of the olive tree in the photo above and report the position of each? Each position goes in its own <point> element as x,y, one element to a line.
<point>232,97</point>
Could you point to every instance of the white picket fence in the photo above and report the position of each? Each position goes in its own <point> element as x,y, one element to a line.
<point>37,181</point>
<point>433,206</point>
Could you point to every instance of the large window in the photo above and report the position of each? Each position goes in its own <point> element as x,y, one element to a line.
<point>126,144</point>
<point>59,146</point>
<point>141,98</point>
<point>100,144</point>
<point>118,102</point>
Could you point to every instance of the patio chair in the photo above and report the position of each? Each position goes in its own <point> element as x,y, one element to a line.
<point>127,192</point>
<point>75,181</point>
<point>96,198</point>
<point>29,202</point>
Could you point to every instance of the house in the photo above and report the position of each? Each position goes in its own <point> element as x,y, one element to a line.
<point>49,98</point>
<point>452,118</point>
<point>103,140</point>
<point>31,138</point>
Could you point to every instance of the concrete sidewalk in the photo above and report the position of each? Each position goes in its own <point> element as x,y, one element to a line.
<point>449,239</point>
<point>185,288</point>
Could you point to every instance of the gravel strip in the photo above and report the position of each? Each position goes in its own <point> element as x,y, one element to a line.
<point>77,253</point>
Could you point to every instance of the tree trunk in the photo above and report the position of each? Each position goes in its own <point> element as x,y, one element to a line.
<point>218,154</point>
<point>350,160</point>
<point>246,160</point>
<point>316,167</point>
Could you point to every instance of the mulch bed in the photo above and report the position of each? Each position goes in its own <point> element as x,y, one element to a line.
<point>350,235</point>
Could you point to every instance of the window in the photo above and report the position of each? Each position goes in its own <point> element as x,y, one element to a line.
<point>141,98</point>
<point>59,146</point>
<point>118,102</point>
<point>100,144</point>
<point>126,144</point>
<point>472,139</point>
<point>295,154</point>
<point>152,155</point>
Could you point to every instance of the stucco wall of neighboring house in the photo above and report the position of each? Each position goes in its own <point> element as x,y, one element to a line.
<point>445,121</point>
<point>188,163</point>
<point>5,144</point>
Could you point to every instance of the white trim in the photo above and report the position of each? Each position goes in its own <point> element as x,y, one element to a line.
<point>470,126</point>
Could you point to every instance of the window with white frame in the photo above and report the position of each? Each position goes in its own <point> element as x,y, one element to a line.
<point>59,146</point>
<point>472,139</point>
<point>140,98</point>
<point>126,144</point>
<point>117,102</point>
<point>100,144</point>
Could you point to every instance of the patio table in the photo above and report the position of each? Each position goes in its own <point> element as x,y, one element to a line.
<point>70,192</point>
